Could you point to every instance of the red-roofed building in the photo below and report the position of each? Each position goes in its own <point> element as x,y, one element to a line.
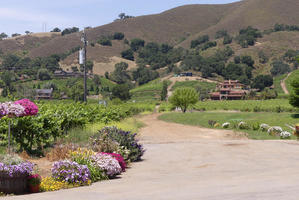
<point>229,90</point>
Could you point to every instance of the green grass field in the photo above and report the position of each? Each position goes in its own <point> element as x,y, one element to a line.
<point>202,118</point>
<point>148,92</point>
<point>273,105</point>
<point>292,77</point>
<point>194,84</point>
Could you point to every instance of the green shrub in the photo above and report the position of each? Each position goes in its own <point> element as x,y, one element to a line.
<point>123,138</point>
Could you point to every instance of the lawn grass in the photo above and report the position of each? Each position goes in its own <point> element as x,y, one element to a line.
<point>81,136</point>
<point>202,119</point>
<point>273,105</point>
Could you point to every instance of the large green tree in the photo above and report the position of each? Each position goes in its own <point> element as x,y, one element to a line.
<point>121,91</point>
<point>184,97</point>
<point>294,97</point>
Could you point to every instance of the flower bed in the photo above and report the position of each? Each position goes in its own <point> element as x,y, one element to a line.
<point>13,178</point>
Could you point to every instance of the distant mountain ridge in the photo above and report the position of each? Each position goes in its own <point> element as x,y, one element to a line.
<point>177,26</point>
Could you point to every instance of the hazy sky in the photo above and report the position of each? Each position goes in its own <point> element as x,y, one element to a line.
<point>17,16</point>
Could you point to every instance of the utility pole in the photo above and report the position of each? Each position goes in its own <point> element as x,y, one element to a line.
<point>82,60</point>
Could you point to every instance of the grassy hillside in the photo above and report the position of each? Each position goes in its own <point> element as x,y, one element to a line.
<point>262,14</point>
<point>177,26</point>
<point>148,92</point>
<point>195,84</point>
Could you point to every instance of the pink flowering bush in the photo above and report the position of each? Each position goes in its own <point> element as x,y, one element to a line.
<point>106,162</point>
<point>30,107</point>
<point>23,107</point>
<point>120,160</point>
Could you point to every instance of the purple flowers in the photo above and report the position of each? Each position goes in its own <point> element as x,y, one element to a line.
<point>70,172</point>
<point>23,107</point>
<point>22,169</point>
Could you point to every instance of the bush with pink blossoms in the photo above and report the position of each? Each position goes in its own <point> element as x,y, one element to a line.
<point>120,160</point>
<point>106,162</point>
<point>30,107</point>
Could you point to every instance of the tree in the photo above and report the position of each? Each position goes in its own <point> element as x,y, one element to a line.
<point>10,61</point>
<point>121,91</point>
<point>89,66</point>
<point>118,36</point>
<point>56,30</point>
<point>122,15</point>
<point>294,97</point>
<point>262,81</point>
<point>105,41</point>
<point>96,80</point>
<point>27,32</point>
<point>77,92</point>
<point>15,34</point>
<point>262,57</point>
<point>120,74</point>
<point>144,75</point>
<point>43,74</point>
<point>221,33</point>
<point>128,54</point>
<point>247,60</point>
<point>136,44</point>
<point>107,75</point>
<point>74,68</point>
<point>200,40</point>
<point>184,97</point>
<point>237,59</point>
<point>164,91</point>
<point>3,35</point>
<point>8,77</point>
<point>279,68</point>
<point>70,30</point>
<point>227,39</point>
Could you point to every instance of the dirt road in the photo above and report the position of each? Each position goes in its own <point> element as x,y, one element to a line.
<point>283,84</point>
<point>192,163</point>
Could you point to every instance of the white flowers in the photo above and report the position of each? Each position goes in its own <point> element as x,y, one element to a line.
<point>106,162</point>
<point>264,127</point>
<point>12,109</point>
<point>285,134</point>
<point>275,130</point>
<point>225,125</point>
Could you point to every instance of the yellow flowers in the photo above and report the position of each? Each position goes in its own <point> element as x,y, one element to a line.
<point>81,154</point>
<point>50,184</point>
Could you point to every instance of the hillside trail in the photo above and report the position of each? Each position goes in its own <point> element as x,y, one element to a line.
<point>283,84</point>
<point>192,163</point>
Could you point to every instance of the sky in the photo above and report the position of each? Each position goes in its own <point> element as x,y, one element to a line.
<point>18,16</point>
